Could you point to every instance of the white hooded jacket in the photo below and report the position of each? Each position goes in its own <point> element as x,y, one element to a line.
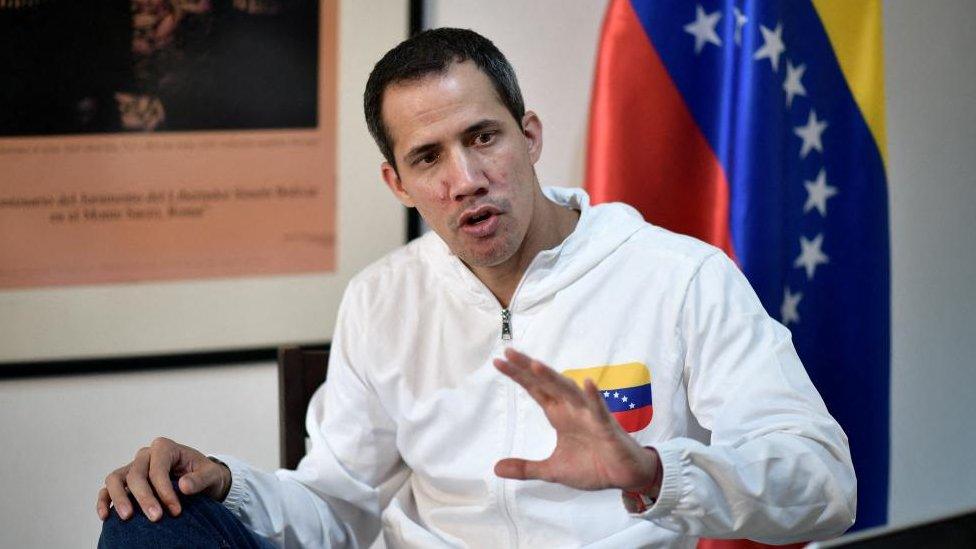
<point>413,417</point>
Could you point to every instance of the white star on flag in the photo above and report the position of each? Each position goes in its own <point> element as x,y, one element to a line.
<point>703,28</point>
<point>787,311</point>
<point>811,255</point>
<point>772,45</point>
<point>632,405</point>
<point>616,395</point>
<point>624,399</point>
<point>740,21</point>
<point>606,394</point>
<point>818,191</point>
<point>810,134</point>
<point>792,85</point>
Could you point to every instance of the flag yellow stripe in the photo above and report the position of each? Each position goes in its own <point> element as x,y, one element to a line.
<point>614,376</point>
<point>854,28</point>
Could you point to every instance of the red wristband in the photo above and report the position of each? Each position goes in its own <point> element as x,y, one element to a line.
<point>640,496</point>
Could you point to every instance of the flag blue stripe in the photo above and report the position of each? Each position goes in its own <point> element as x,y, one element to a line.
<point>639,396</point>
<point>740,106</point>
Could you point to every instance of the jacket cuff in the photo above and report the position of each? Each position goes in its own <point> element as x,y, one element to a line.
<point>671,484</point>
<point>240,474</point>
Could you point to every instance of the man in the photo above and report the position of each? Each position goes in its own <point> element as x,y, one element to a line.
<point>651,336</point>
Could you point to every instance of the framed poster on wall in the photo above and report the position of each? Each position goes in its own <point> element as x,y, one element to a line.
<point>169,180</point>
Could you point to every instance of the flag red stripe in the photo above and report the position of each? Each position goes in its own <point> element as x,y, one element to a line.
<point>645,148</point>
<point>636,419</point>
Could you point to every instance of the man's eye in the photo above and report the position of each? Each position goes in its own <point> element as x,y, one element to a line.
<point>484,138</point>
<point>427,159</point>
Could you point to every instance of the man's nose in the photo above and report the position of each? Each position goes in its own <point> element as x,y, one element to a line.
<point>465,177</point>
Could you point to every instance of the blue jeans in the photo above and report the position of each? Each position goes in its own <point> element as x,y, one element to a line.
<point>202,522</point>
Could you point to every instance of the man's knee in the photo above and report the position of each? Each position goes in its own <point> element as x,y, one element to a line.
<point>186,529</point>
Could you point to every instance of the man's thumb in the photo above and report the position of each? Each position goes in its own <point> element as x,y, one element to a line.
<point>191,483</point>
<point>521,469</point>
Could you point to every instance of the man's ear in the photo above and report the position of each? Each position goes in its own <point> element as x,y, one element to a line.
<point>392,180</point>
<point>532,130</point>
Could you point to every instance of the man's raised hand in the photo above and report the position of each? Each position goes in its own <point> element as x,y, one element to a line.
<point>592,451</point>
<point>147,477</point>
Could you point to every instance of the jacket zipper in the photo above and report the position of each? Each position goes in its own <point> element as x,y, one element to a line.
<point>513,540</point>
<point>509,437</point>
<point>506,325</point>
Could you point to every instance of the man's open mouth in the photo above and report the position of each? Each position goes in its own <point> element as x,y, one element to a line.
<point>480,221</point>
<point>478,215</point>
<point>475,219</point>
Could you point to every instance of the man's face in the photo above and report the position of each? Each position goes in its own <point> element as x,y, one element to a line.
<point>464,162</point>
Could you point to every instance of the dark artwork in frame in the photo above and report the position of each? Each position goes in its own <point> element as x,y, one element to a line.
<point>113,66</point>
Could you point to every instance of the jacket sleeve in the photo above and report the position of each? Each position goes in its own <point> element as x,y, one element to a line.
<point>352,470</point>
<point>778,467</point>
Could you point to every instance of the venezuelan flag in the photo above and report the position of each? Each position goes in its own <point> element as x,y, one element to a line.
<point>758,126</point>
<point>626,390</point>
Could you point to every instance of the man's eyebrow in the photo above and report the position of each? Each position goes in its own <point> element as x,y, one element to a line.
<point>480,126</point>
<point>421,150</point>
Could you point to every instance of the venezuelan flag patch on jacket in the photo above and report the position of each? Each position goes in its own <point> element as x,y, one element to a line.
<point>626,388</point>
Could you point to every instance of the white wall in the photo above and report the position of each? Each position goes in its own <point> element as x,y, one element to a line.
<point>931,85</point>
<point>931,88</point>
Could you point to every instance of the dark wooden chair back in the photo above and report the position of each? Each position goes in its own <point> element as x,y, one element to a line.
<point>300,372</point>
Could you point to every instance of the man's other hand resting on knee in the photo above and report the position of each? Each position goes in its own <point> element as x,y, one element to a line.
<point>148,477</point>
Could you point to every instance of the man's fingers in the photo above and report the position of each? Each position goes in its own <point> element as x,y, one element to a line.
<point>147,482</point>
<point>595,401</point>
<point>116,492</point>
<point>521,359</point>
<point>525,378</point>
<point>163,456</point>
<point>558,384</point>
<point>550,381</point>
<point>521,469</point>
<point>137,481</point>
<point>140,489</point>
<point>102,503</point>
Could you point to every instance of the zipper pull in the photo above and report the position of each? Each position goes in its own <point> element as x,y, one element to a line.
<point>506,325</point>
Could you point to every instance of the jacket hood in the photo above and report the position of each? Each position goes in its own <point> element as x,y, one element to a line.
<point>599,232</point>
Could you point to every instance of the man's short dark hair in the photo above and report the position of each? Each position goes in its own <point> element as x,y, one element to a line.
<point>433,51</point>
